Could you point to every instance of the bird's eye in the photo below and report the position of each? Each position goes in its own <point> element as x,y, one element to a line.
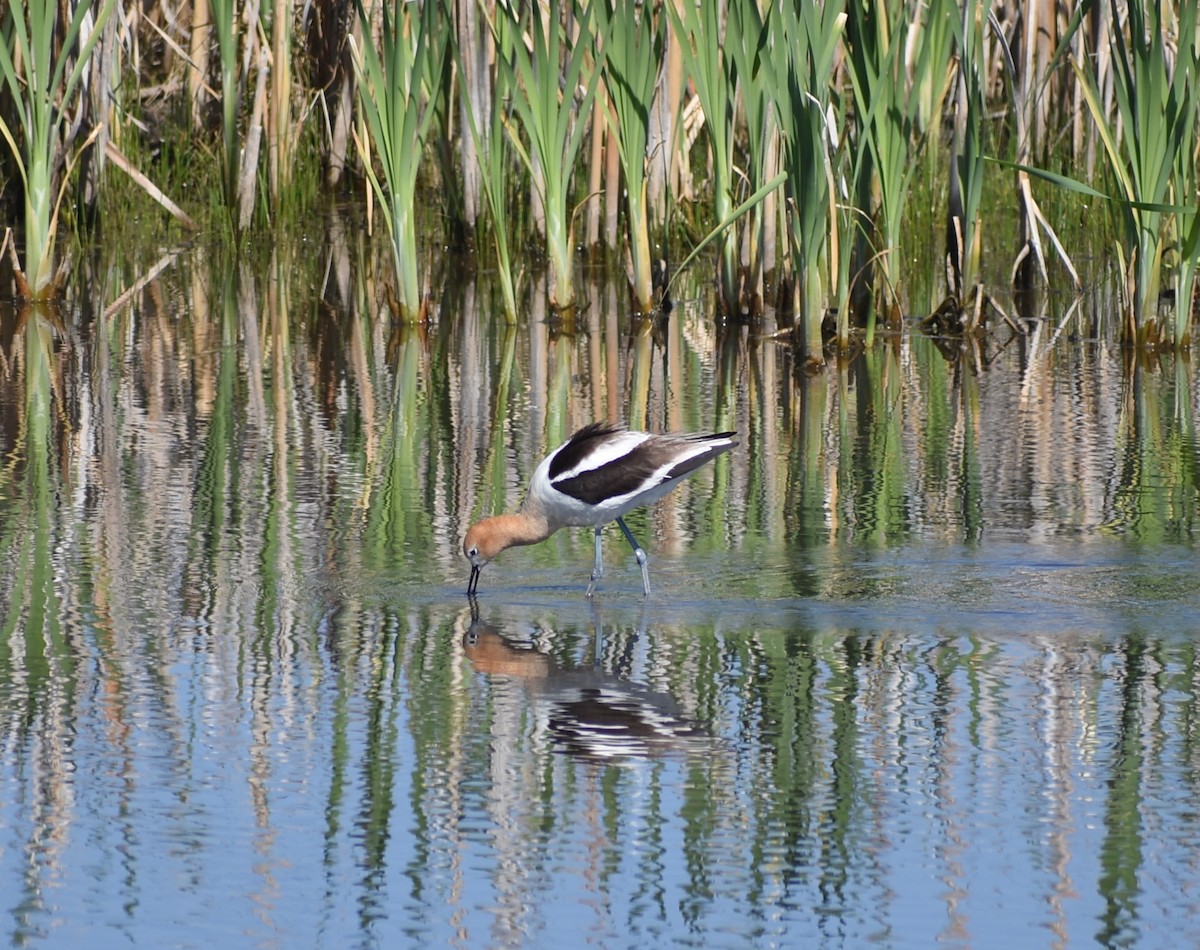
<point>472,552</point>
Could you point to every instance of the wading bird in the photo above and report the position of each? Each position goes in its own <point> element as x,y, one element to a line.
<point>598,475</point>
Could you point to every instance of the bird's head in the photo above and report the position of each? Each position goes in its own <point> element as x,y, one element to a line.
<point>489,537</point>
<point>483,542</point>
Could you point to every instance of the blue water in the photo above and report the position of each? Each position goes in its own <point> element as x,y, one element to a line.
<point>919,668</point>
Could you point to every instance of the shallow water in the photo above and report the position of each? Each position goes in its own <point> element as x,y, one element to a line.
<point>919,667</point>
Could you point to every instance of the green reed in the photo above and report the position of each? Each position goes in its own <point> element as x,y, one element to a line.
<point>890,81</point>
<point>493,163</point>
<point>807,38</point>
<point>396,87</point>
<point>1185,184</point>
<point>963,232</point>
<point>27,540</point>
<point>701,29</point>
<point>633,46</point>
<point>225,21</point>
<point>554,79</point>
<point>1154,124</point>
<point>837,90</point>
<point>746,39</point>
<point>1186,194</point>
<point>43,85</point>
<point>935,36</point>
<point>722,227</point>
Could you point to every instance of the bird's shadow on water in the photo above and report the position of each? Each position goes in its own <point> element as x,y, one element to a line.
<point>591,708</point>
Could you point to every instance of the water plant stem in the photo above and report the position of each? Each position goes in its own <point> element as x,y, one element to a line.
<point>633,44</point>
<point>801,69</point>
<point>395,86</point>
<point>1156,111</point>
<point>554,74</point>
<point>43,85</point>
<point>492,158</point>
<point>701,28</point>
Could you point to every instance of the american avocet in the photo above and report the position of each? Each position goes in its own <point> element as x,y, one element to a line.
<point>596,476</point>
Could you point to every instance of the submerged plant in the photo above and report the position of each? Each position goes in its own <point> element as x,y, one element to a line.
<point>43,82</point>
<point>553,86</point>
<point>396,92</point>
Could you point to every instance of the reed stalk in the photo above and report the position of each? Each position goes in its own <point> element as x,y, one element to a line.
<point>197,58</point>
<point>395,86</point>
<point>1185,178</point>
<point>1186,230</point>
<point>1144,148</point>
<point>633,44</point>
<point>281,147</point>
<point>554,85</point>
<point>43,83</point>
<point>492,159</point>
<point>224,18</point>
<point>1039,88</point>
<point>595,165</point>
<point>963,233</point>
<point>661,154</point>
<point>1031,222</point>
<point>701,28</point>
<point>247,174</point>
<point>746,40</point>
<point>472,45</point>
<point>890,80</point>
<point>800,62</point>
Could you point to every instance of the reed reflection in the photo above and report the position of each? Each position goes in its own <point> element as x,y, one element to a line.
<point>232,635</point>
<point>41,680</point>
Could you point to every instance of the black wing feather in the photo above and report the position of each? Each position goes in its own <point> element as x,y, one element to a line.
<point>687,466</point>
<point>629,473</point>
<point>617,478</point>
<point>579,446</point>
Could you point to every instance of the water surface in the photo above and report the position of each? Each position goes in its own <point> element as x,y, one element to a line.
<point>919,667</point>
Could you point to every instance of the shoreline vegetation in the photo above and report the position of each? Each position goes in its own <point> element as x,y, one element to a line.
<point>789,142</point>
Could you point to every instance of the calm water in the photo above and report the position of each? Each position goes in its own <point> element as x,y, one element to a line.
<point>920,667</point>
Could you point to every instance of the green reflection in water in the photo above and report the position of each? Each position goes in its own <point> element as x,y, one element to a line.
<point>34,659</point>
<point>230,516</point>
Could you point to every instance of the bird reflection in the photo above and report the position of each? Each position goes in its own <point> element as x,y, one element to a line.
<point>589,712</point>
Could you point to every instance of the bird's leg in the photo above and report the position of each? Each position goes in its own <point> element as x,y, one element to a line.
<point>637,553</point>
<point>598,570</point>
